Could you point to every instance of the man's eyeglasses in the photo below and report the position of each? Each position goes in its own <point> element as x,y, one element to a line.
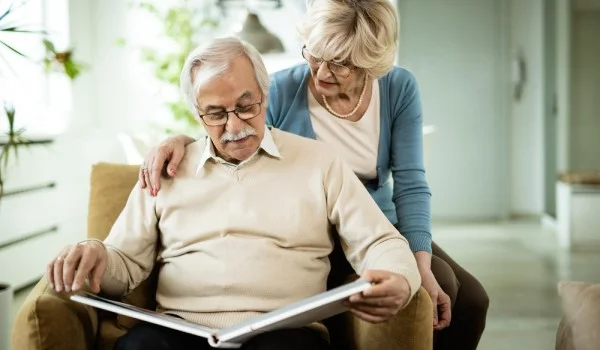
<point>342,71</point>
<point>243,112</point>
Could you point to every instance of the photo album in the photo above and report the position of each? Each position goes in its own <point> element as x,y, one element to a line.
<point>295,315</point>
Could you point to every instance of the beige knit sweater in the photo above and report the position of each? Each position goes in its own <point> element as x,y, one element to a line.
<point>234,242</point>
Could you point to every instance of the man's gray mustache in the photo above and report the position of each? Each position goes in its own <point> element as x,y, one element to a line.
<point>228,136</point>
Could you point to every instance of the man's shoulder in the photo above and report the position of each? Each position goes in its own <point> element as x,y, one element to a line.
<point>300,147</point>
<point>191,158</point>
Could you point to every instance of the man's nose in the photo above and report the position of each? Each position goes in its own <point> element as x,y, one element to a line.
<point>234,123</point>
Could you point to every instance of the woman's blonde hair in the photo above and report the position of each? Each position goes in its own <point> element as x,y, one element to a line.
<point>363,33</point>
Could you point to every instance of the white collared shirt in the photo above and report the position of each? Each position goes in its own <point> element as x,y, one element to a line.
<point>267,144</point>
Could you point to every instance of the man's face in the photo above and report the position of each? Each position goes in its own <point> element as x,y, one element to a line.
<point>237,88</point>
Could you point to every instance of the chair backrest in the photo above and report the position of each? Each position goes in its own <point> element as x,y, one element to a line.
<point>110,186</point>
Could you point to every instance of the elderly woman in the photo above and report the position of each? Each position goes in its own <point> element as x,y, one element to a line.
<point>350,95</point>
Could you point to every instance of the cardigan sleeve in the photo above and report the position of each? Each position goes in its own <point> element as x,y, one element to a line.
<point>273,109</point>
<point>411,193</point>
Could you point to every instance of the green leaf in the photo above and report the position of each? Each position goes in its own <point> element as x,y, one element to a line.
<point>7,12</point>
<point>49,45</point>
<point>21,30</point>
<point>13,49</point>
<point>72,69</point>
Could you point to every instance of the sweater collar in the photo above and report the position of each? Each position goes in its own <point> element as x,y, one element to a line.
<point>267,144</point>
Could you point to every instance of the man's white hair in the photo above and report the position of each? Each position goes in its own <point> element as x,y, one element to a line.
<point>208,61</point>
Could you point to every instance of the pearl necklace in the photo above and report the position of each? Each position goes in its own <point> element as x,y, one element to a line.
<point>344,116</point>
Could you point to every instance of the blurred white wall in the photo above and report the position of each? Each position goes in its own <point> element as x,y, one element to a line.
<point>527,112</point>
<point>456,51</point>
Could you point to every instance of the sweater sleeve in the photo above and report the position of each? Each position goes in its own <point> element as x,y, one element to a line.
<point>411,194</point>
<point>369,240</point>
<point>131,244</point>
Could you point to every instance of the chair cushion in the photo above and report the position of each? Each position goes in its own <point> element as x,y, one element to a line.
<point>46,318</point>
<point>581,307</point>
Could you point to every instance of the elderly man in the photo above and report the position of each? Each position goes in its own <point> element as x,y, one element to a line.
<point>245,226</point>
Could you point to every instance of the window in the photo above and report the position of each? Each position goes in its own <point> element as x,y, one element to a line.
<point>41,99</point>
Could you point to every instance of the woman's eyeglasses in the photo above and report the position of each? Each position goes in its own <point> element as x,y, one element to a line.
<point>339,70</point>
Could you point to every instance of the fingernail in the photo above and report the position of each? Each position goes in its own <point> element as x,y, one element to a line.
<point>58,288</point>
<point>75,286</point>
<point>67,289</point>
<point>51,286</point>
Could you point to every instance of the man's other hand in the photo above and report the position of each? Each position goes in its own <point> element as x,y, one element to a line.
<point>389,293</point>
<point>74,264</point>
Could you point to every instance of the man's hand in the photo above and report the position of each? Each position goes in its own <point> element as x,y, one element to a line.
<point>74,264</point>
<point>439,299</point>
<point>382,301</point>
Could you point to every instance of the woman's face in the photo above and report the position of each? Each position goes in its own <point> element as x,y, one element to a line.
<point>330,78</point>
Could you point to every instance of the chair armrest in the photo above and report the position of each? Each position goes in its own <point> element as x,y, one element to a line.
<point>410,329</point>
<point>50,320</point>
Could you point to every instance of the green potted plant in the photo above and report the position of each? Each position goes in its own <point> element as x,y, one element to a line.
<point>13,138</point>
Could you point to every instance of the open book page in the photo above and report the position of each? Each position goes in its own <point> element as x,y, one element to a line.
<point>299,314</point>
<point>144,315</point>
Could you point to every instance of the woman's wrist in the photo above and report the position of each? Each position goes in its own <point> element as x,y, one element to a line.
<point>423,261</point>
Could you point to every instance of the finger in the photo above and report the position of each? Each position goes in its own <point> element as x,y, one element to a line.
<point>385,301</point>
<point>367,317</point>
<point>445,312</point>
<point>55,269</point>
<point>178,153</point>
<point>141,176</point>
<point>375,276</point>
<point>374,310</point>
<point>58,273</point>
<point>87,262</point>
<point>50,273</point>
<point>147,180</point>
<point>156,168</point>
<point>96,274</point>
<point>434,302</point>
<point>381,290</point>
<point>70,266</point>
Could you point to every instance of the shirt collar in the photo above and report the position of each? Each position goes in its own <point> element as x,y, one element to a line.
<point>267,144</point>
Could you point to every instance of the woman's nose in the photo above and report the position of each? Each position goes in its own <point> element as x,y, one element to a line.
<point>323,72</point>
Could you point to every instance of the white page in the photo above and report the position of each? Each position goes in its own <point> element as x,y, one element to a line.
<point>299,314</point>
<point>144,315</point>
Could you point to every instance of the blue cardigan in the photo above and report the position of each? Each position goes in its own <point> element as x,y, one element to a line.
<point>404,196</point>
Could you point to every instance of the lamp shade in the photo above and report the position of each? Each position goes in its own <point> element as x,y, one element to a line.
<point>256,34</point>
